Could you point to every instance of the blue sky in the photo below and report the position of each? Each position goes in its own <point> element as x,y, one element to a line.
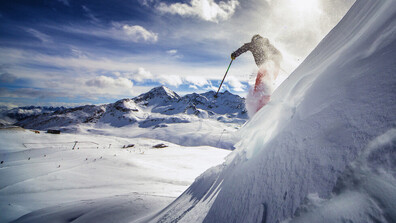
<point>70,52</point>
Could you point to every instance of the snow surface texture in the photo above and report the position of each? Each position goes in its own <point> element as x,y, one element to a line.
<point>95,180</point>
<point>191,120</point>
<point>365,192</point>
<point>325,116</point>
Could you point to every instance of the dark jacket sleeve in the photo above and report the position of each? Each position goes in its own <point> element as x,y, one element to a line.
<point>242,49</point>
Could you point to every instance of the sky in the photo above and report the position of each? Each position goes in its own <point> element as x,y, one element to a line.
<point>72,52</point>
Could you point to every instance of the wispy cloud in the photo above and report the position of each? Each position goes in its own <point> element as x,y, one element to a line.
<point>171,80</point>
<point>146,2</point>
<point>31,93</point>
<point>171,52</point>
<point>90,63</point>
<point>65,2</point>
<point>105,82</point>
<point>174,54</point>
<point>39,35</point>
<point>207,10</point>
<point>196,80</point>
<point>193,87</point>
<point>104,85</point>
<point>7,78</point>
<point>90,14</point>
<point>115,31</point>
<point>139,75</point>
<point>138,33</point>
<point>235,84</point>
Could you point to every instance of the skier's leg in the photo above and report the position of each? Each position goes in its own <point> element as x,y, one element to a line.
<point>264,84</point>
<point>259,80</point>
<point>260,95</point>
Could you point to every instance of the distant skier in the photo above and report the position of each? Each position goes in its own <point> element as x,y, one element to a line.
<point>268,60</point>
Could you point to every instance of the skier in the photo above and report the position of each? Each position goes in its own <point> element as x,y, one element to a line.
<point>268,59</point>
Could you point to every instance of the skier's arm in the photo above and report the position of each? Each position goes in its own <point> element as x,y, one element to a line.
<point>241,50</point>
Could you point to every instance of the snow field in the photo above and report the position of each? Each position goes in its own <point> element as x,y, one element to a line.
<point>200,132</point>
<point>43,170</point>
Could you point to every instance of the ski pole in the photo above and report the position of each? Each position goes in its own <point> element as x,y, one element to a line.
<point>223,78</point>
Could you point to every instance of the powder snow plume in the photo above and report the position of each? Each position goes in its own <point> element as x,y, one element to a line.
<point>260,94</point>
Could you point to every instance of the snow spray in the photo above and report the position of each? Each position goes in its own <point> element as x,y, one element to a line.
<point>260,94</point>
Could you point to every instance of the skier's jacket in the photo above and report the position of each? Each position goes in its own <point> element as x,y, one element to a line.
<point>261,49</point>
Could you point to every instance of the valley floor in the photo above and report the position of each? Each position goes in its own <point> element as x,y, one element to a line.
<point>60,180</point>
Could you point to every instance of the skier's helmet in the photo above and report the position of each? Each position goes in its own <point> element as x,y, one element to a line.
<point>256,37</point>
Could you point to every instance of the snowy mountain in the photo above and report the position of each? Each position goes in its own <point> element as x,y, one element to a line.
<point>191,120</point>
<point>323,150</point>
<point>156,108</point>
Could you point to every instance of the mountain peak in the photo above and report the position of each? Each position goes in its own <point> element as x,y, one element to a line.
<point>162,90</point>
<point>157,94</point>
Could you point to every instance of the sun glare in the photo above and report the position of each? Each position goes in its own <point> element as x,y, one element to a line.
<point>305,6</point>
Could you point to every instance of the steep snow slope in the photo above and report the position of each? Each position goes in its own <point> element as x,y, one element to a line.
<point>365,192</point>
<point>319,120</point>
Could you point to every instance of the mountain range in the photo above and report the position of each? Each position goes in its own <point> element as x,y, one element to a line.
<point>157,108</point>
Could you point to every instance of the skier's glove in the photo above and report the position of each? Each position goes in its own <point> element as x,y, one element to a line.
<point>233,56</point>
